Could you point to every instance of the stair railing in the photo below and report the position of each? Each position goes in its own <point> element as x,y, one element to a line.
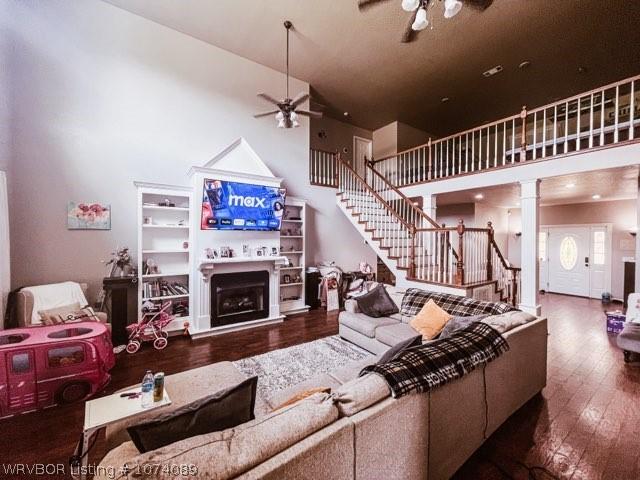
<point>427,252</point>
<point>393,232</point>
<point>600,118</point>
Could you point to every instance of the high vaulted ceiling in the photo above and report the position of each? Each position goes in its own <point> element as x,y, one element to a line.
<point>355,62</point>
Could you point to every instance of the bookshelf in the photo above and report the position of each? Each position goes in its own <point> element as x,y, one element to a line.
<point>293,247</point>
<point>164,249</point>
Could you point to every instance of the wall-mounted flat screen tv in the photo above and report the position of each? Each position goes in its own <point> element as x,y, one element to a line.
<point>241,206</point>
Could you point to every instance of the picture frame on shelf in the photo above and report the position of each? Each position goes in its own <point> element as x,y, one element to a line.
<point>274,251</point>
<point>246,250</point>
<point>211,253</point>
<point>224,252</point>
<point>259,252</point>
<point>286,278</point>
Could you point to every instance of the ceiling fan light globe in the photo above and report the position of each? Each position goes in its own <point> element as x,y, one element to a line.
<point>295,123</point>
<point>410,5</point>
<point>421,22</point>
<point>280,116</point>
<point>293,116</point>
<point>452,8</point>
<point>281,123</point>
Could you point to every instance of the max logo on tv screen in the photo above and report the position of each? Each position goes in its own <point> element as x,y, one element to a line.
<point>241,206</point>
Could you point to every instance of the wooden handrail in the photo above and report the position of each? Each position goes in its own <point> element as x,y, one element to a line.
<point>410,228</point>
<point>510,118</point>
<point>419,211</point>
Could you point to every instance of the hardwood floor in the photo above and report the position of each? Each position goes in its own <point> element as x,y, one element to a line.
<point>585,425</point>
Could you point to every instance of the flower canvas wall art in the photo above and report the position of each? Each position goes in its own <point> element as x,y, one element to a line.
<point>88,216</point>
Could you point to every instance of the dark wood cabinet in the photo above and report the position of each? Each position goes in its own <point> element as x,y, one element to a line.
<point>629,280</point>
<point>122,304</point>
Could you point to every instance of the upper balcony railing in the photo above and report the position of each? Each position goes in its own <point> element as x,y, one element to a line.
<point>600,118</point>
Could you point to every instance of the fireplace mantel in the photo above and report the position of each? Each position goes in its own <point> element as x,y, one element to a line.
<point>207,266</point>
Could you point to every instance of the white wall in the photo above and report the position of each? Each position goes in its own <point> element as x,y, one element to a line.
<point>621,213</point>
<point>106,97</point>
<point>339,136</point>
<point>5,93</point>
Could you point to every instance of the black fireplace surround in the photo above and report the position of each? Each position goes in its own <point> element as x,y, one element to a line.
<point>239,297</point>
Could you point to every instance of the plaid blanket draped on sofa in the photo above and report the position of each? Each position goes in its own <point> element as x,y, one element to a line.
<point>427,366</point>
<point>414,299</point>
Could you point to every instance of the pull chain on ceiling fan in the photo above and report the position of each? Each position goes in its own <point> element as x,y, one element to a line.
<point>287,112</point>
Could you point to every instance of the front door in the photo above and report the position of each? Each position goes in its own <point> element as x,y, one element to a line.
<point>569,261</point>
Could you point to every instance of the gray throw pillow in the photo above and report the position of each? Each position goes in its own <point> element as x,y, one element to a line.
<point>225,409</point>
<point>377,303</point>
<point>458,323</point>
<point>398,348</point>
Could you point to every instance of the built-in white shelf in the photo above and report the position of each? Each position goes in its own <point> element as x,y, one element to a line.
<point>293,234</point>
<point>241,259</point>
<point>179,227</point>
<point>169,209</point>
<point>168,274</point>
<point>165,297</point>
<point>177,250</point>
<point>162,231</point>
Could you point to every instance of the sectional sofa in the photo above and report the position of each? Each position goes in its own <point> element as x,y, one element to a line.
<point>357,432</point>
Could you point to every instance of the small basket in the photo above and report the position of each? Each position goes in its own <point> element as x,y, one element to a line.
<point>615,322</point>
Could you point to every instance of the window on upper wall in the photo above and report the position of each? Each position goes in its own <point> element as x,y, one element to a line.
<point>568,253</point>
<point>599,246</point>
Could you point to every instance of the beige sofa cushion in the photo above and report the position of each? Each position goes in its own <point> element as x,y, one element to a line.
<point>393,334</point>
<point>226,454</point>
<point>508,321</point>
<point>364,324</point>
<point>360,393</point>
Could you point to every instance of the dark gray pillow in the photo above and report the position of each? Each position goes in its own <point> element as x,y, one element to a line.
<point>398,348</point>
<point>377,303</point>
<point>224,409</point>
<point>458,323</point>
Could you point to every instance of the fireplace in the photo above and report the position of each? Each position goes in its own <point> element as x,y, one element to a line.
<point>239,297</point>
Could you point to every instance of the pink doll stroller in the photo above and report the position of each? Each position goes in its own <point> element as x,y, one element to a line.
<point>150,328</point>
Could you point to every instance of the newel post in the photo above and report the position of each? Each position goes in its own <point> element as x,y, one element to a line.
<point>523,139</point>
<point>489,252</point>
<point>460,264</point>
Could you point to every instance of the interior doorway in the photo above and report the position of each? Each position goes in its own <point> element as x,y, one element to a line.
<point>362,151</point>
<point>575,259</point>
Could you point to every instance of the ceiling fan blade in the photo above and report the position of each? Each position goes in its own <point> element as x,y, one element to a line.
<point>265,114</point>
<point>410,34</point>
<point>269,98</point>
<point>478,4</point>
<point>306,113</point>
<point>301,98</point>
<point>363,4</point>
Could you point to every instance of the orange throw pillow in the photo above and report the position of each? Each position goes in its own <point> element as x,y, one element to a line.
<point>302,395</point>
<point>430,321</point>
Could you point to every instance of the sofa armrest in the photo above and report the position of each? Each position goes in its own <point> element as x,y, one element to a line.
<point>24,309</point>
<point>351,306</point>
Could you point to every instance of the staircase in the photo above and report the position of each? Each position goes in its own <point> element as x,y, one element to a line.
<point>418,250</point>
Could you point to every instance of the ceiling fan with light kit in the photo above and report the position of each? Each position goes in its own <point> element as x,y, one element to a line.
<point>422,9</point>
<point>287,112</point>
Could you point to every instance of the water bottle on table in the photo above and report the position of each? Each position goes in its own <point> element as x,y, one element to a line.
<point>147,389</point>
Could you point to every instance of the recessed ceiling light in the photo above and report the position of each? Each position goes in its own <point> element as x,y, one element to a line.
<point>570,185</point>
<point>596,196</point>
<point>346,114</point>
<point>444,99</point>
<point>478,196</point>
<point>524,65</point>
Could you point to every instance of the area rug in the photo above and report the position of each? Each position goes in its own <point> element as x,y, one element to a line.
<point>284,368</point>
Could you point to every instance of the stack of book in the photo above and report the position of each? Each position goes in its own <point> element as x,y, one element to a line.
<point>162,288</point>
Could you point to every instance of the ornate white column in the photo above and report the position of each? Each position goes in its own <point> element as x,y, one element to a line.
<point>529,276</point>
<point>637,256</point>
<point>429,206</point>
